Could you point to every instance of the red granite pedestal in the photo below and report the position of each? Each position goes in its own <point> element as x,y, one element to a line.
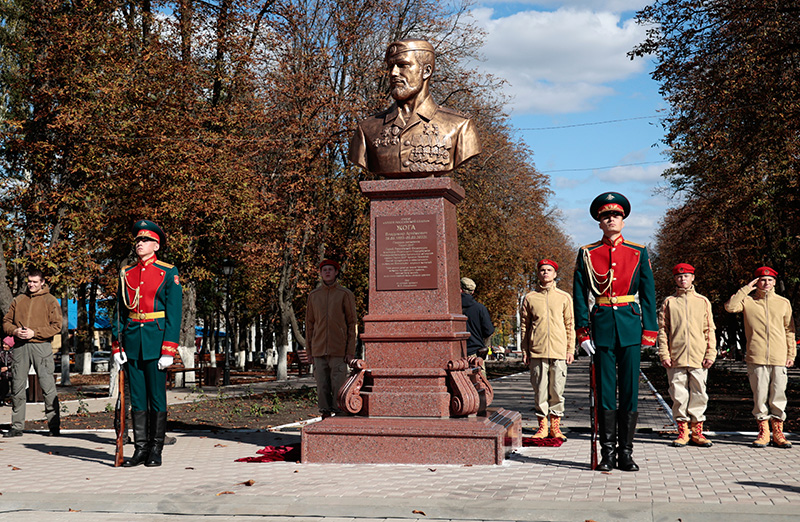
<point>415,398</point>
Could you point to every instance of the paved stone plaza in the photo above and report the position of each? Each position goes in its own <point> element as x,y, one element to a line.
<point>43,478</point>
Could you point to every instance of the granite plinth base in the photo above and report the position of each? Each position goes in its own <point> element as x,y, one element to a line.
<point>359,440</point>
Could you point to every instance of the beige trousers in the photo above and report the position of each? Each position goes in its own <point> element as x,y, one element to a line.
<point>548,377</point>
<point>330,373</point>
<point>769,390</point>
<point>687,387</point>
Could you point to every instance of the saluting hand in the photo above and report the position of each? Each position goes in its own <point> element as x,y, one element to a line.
<point>752,284</point>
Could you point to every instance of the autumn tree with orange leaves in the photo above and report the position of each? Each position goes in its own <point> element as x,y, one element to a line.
<point>227,123</point>
<point>728,71</point>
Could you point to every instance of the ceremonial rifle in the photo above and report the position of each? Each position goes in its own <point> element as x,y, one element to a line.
<point>120,419</point>
<point>593,411</point>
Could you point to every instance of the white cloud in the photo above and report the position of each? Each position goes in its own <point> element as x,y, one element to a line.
<point>649,174</point>
<point>560,61</point>
<point>615,6</point>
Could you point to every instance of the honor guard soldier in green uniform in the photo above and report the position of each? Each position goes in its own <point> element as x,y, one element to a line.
<point>613,271</point>
<point>145,336</point>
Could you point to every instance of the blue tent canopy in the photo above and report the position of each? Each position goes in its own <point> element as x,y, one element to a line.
<point>101,319</point>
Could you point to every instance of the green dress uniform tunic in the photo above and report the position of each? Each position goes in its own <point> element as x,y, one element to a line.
<point>613,274</point>
<point>150,303</point>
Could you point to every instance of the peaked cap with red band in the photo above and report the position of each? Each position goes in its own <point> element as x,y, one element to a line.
<point>145,228</point>
<point>610,202</point>
<point>547,262</point>
<point>765,271</point>
<point>682,268</point>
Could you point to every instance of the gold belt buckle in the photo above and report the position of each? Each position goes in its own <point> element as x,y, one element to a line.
<point>614,299</point>
<point>141,316</point>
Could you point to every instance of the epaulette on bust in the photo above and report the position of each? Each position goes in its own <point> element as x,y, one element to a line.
<point>162,263</point>
<point>454,112</point>
<point>595,244</point>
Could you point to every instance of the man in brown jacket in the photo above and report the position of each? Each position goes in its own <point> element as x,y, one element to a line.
<point>687,349</point>
<point>34,318</point>
<point>771,349</point>
<point>330,335</point>
<point>547,328</point>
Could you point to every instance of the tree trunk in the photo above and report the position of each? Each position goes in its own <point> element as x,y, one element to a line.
<point>5,291</point>
<point>212,352</point>
<point>282,340</point>
<point>243,344</point>
<point>186,342</point>
<point>65,340</point>
<point>83,356</point>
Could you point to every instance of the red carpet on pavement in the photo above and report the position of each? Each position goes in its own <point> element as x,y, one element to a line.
<point>288,453</point>
<point>547,441</point>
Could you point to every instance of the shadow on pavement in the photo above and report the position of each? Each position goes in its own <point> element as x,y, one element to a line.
<point>760,485</point>
<point>104,456</point>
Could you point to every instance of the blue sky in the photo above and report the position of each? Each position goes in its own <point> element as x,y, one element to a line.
<point>566,66</point>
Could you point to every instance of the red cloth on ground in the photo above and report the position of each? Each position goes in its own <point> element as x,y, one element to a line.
<point>547,441</point>
<point>288,453</point>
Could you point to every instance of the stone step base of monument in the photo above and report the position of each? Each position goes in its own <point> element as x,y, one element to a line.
<point>473,440</point>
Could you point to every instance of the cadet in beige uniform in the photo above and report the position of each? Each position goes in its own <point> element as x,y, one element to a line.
<point>548,346</point>
<point>769,329</point>
<point>687,349</point>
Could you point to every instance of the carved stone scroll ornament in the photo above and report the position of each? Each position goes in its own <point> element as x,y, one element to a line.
<point>479,379</point>
<point>349,396</point>
<point>464,398</point>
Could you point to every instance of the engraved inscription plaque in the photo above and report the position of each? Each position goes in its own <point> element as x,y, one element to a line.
<point>406,247</point>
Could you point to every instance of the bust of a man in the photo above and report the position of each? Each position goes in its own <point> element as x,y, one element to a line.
<point>414,137</point>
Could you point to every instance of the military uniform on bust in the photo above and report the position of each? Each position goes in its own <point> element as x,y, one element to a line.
<point>614,270</point>
<point>414,137</point>
<point>145,335</point>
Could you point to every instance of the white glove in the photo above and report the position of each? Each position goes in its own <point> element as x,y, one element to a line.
<point>165,362</point>
<point>120,358</point>
<point>588,346</point>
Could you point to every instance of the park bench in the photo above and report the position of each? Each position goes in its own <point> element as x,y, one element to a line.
<point>300,360</point>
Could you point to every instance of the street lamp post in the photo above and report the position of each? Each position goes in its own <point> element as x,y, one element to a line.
<point>227,269</point>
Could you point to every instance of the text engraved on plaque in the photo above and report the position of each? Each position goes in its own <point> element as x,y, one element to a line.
<point>406,247</point>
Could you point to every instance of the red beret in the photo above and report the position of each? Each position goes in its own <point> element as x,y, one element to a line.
<point>547,262</point>
<point>682,268</point>
<point>331,262</point>
<point>765,271</point>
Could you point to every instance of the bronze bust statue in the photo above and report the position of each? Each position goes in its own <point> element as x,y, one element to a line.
<point>414,137</point>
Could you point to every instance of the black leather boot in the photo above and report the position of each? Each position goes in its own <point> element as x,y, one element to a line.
<point>158,430</point>
<point>607,429</point>
<point>140,443</point>
<point>627,428</point>
<point>54,423</point>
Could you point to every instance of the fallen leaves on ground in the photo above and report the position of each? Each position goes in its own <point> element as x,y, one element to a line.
<point>418,512</point>
<point>247,483</point>
<point>226,493</point>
